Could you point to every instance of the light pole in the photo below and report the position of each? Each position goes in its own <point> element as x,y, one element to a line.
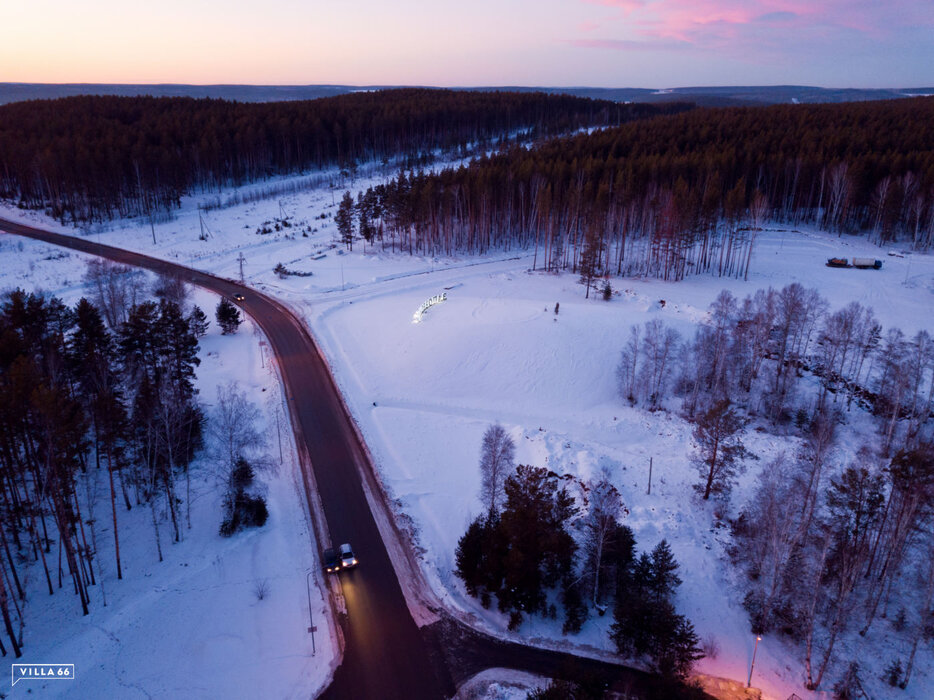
<point>311,623</point>
<point>752,665</point>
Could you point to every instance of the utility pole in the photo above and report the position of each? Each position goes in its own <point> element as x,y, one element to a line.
<point>201,224</point>
<point>241,259</point>
<point>649,491</point>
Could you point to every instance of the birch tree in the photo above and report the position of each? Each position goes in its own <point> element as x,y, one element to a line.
<point>497,457</point>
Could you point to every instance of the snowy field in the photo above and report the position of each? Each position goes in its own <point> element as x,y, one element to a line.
<point>423,394</point>
<point>191,626</point>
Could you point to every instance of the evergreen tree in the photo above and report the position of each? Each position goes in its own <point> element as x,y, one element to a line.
<point>645,620</point>
<point>662,577</point>
<point>198,322</point>
<point>468,556</point>
<point>344,220</point>
<point>540,549</point>
<point>575,611</point>
<point>228,317</point>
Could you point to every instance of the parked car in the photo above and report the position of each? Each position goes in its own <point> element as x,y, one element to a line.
<point>348,558</point>
<point>331,560</point>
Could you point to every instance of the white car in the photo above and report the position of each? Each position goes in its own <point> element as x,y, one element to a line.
<point>348,559</point>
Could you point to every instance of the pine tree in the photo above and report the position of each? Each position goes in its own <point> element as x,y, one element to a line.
<point>468,556</point>
<point>663,579</point>
<point>198,322</point>
<point>344,220</point>
<point>575,611</point>
<point>228,317</point>
<point>645,620</point>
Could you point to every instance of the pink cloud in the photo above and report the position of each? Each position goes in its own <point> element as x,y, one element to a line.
<point>714,23</point>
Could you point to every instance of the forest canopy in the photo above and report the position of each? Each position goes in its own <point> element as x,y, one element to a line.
<point>94,158</point>
<point>680,193</point>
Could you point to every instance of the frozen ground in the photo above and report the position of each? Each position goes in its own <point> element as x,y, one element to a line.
<point>191,626</point>
<point>495,351</point>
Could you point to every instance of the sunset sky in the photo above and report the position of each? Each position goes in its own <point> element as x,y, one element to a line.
<point>613,43</point>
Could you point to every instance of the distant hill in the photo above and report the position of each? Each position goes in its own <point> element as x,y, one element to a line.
<point>17,92</point>
<point>706,96</point>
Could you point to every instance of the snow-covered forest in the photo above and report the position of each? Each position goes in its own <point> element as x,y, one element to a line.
<point>95,158</point>
<point>676,195</point>
<point>784,408</point>
<point>244,587</point>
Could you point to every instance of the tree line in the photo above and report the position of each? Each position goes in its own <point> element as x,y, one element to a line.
<point>98,157</point>
<point>782,355</point>
<point>103,390</point>
<point>829,549</point>
<point>677,194</point>
<point>827,546</point>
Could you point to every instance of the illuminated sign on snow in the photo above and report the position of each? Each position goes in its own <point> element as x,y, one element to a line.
<point>436,299</point>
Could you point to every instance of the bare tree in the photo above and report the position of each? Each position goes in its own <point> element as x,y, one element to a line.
<point>840,187</point>
<point>627,372</point>
<point>114,289</point>
<point>894,384</point>
<point>920,366</point>
<point>766,536</point>
<point>606,505</point>
<point>798,312</point>
<point>924,609</point>
<point>172,288</point>
<point>235,430</point>
<point>659,347</point>
<point>497,457</point>
<point>719,447</point>
<point>751,334</point>
<point>757,212</point>
<point>710,363</point>
<point>854,501</point>
<point>908,507</point>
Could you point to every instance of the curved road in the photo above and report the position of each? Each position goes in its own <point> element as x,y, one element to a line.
<point>386,655</point>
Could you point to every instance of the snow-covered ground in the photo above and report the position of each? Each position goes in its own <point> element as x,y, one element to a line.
<point>191,626</point>
<point>495,351</point>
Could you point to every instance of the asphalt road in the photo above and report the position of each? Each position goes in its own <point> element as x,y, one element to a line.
<point>386,655</point>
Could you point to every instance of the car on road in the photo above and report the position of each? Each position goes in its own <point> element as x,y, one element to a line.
<point>331,560</point>
<point>239,297</point>
<point>348,558</point>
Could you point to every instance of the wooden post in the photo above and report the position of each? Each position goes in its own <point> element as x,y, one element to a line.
<point>649,491</point>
